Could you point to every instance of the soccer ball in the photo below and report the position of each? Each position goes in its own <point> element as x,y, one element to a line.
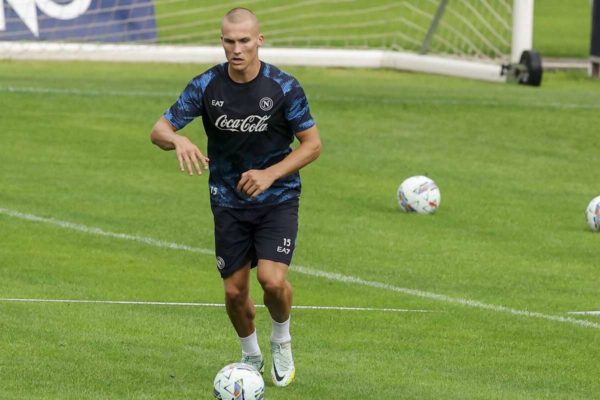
<point>419,194</point>
<point>239,381</point>
<point>592,214</point>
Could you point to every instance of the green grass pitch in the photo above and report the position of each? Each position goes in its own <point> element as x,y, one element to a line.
<point>498,267</point>
<point>516,167</point>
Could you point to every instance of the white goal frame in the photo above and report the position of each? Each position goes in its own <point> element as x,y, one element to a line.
<point>522,37</point>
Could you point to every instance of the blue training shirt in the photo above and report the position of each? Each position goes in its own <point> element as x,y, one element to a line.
<point>249,126</point>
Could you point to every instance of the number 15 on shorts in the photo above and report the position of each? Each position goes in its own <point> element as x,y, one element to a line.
<point>286,246</point>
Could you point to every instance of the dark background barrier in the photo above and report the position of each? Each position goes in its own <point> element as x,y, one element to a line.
<point>98,21</point>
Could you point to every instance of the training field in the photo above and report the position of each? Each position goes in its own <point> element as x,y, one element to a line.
<point>561,29</point>
<point>472,302</point>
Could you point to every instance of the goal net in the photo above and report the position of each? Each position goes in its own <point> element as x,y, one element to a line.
<point>480,31</point>
<point>469,28</point>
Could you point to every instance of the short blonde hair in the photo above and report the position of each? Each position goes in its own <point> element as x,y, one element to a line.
<point>240,14</point>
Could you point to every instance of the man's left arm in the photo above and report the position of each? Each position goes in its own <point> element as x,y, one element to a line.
<point>256,181</point>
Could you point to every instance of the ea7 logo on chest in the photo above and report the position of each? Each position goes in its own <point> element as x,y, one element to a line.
<point>217,103</point>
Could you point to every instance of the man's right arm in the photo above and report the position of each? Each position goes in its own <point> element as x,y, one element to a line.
<point>189,155</point>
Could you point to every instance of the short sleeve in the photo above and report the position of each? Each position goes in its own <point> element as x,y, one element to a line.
<point>297,112</point>
<point>189,104</point>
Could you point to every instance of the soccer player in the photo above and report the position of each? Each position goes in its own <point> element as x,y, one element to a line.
<point>251,112</point>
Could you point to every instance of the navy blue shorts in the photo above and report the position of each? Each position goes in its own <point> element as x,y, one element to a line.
<point>245,235</point>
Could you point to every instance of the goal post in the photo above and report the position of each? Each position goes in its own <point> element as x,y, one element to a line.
<point>473,39</point>
<point>594,67</point>
<point>522,28</point>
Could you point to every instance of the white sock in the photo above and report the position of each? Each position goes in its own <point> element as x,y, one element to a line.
<point>281,331</point>
<point>250,345</point>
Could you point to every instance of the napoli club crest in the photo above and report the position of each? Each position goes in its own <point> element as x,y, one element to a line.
<point>266,103</point>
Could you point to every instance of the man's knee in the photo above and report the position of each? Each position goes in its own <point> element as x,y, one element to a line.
<point>235,294</point>
<point>272,277</point>
<point>273,284</point>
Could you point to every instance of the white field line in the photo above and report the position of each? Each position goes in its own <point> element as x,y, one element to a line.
<point>310,271</point>
<point>206,305</point>
<point>101,232</point>
<point>85,92</point>
<point>584,312</point>
<point>140,93</point>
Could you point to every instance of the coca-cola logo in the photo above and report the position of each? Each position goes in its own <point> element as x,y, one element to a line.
<point>252,123</point>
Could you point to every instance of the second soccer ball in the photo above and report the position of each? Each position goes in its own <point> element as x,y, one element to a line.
<point>419,194</point>
<point>592,214</point>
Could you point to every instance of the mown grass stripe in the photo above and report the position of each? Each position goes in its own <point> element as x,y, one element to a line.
<point>309,271</point>
<point>347,99</point>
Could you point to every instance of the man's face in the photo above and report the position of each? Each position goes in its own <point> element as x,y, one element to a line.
<point>241,42</point>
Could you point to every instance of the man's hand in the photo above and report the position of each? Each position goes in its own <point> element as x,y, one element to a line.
<point>256,181</point>
<point>165,136</point>
<point>189,155</point>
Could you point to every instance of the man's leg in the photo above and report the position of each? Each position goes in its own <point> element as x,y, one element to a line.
<point>278,296</point>
<point>277,289</point>
<point>238,303</point>
<point>241,312</point>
